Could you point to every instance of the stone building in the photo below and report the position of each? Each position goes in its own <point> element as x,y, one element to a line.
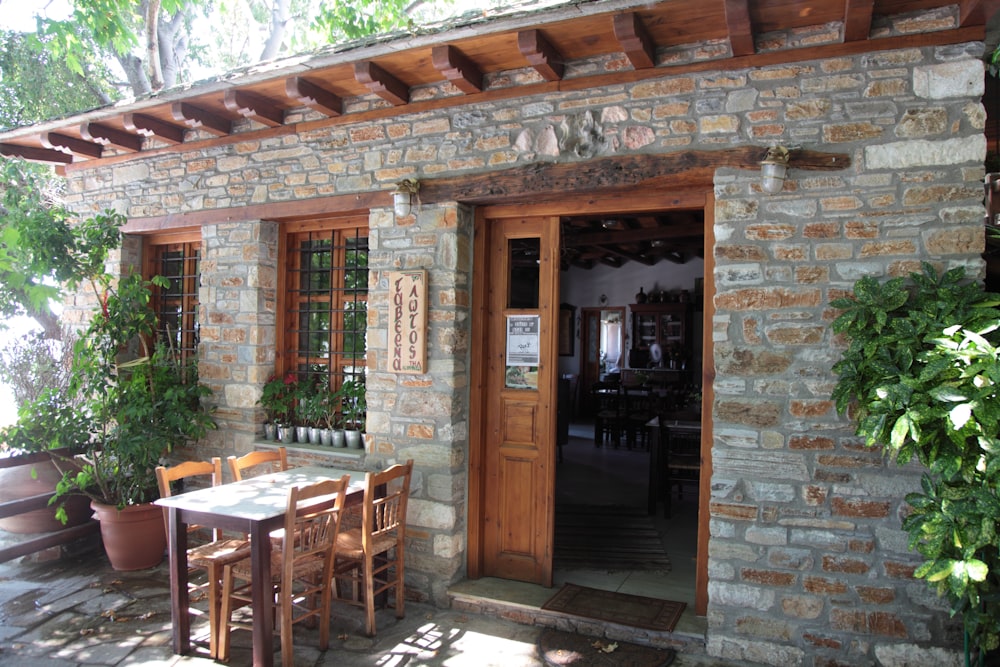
<point>611,108</point>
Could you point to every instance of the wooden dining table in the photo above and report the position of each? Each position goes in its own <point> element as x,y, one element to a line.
<point>254,507</point>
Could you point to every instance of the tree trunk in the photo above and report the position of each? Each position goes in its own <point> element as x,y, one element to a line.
<point>279,24</point>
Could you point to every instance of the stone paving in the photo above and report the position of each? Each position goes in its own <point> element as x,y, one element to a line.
<point>77,611</point>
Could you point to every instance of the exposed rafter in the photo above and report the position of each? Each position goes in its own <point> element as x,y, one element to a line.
<point>71,145</point>
<point>457,68</point>
<point>200,119</point>
<point>254,107</point>
<point>540,54</point>
<point>740,28</point>
<point>380,82</point>
<point>35,154</point>
<point>635,41</point>
<point>148,126</point>
<point>858,19</point>
<point>314,96</point>
<point>109,136</point>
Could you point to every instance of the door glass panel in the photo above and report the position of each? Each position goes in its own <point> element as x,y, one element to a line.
<point>522,258</point>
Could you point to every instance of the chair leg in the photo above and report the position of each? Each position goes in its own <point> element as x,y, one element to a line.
<point>400,590</point>
<point>214,607</point>
<point>225,615</point>
<point>369,576</point>
<point>285,611</point>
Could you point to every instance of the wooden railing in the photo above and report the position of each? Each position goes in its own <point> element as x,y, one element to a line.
<point>32,545</point>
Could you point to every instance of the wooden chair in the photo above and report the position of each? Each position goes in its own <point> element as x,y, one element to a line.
<point>637,411</point>
<point>371,555</point>
<point>607,399</point>
<point>258,463</point>
<point>210,556</point>
<point>301,568</point>
<point>680,459</point>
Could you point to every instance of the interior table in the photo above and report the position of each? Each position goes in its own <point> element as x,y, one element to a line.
<point>254,507</point>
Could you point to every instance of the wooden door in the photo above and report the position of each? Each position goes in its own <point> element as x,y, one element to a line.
<point>519,397</point>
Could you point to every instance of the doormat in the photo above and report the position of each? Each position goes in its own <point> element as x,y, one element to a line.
<point>562,649</point>
<point>633,610</point>
<point>610,538</point>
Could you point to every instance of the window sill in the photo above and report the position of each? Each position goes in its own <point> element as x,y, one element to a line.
<point>324,451</point>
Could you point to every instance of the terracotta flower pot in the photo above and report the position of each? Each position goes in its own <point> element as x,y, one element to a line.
<point>134,537</point>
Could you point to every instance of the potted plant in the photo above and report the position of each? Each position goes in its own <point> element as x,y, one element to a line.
<point>278,401</point>
<point>310,409</point>
<point>353,408</point>
<point>139,410</point>
<point>332,405</point>
<point>920,376</point>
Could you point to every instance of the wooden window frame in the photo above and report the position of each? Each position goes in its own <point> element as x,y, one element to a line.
<point>186,338</point>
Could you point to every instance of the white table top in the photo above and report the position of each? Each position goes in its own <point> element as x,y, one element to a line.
<point>260,497</point>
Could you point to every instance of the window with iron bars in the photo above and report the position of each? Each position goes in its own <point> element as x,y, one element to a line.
<point>176,305</point>
<point>326,299</point>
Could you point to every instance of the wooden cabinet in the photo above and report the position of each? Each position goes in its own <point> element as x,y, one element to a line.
<point>666,324</point>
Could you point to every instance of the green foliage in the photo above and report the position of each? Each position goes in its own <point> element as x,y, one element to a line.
<point>920,374</point>
<point>360,18</point>
<point>278,398</point>
<point>310,407</point>
<point>140,409</point>
<point>353,403</point>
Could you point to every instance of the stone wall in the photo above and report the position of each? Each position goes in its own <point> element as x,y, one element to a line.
<point>807,561</point>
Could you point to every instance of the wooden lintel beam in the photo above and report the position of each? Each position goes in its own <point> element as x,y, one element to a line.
<point>104,135</point>
<point>254,107</point>
<point>540,54</point>
<point>148,126</point>
<point>624,171</point>
<point>71,145</point>
<point>380,82</point>
<point>458,68</point>
<point>635,40</point>
<point>739,27</point>
<point>35,154</point>
<point>314,96</point>
<point>200,119</point>
<point>858,19</point>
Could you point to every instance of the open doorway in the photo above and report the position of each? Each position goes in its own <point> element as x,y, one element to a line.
<point>617,270</point>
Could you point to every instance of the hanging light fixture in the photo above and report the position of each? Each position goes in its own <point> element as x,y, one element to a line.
<point>773,168</point>
<point>402,197</point>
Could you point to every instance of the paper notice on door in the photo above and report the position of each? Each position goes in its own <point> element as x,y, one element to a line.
<point>523,351</point>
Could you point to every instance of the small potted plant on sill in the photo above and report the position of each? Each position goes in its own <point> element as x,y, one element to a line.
<point>310,410</point>
<point>354,406</point>
<point>332,405</point>
<point>278,401</point>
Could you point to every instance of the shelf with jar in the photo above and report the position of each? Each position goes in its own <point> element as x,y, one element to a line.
<point>661,335</point>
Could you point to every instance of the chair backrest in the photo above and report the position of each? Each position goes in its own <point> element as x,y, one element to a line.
<point>682,445</point>
<point>313,517</point>
<point>258,463</point>
<point>384,510</point>
<point>211,471</point>
<point>607,397</point>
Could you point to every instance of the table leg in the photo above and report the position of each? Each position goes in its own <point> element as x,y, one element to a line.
<point>263,598</point>
<point>179,582</point>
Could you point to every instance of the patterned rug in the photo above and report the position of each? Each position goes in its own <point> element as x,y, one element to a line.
<point>611,538</point>
<point>632,610</point>
<point>562,649</point>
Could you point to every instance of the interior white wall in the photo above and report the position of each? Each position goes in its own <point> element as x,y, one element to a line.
<point>583,288</point>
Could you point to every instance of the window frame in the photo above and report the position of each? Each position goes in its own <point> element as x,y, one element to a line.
<point>189,243</point>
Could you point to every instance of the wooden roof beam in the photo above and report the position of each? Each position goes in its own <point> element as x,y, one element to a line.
<point>458,68</point>
<point>148,126</point>
<point>540,54</point>
<point>70,145</point>
<point>858,19</point>
<point>314,96</point>
<point>635,40</point>
<point>635,257</point>
<point>380,82</point>
<point>254,107</point>
<point>104,135</point>
<point>976,12</point>
<point>35,154</point>
<point>200,119</point>
<point>740,28</point>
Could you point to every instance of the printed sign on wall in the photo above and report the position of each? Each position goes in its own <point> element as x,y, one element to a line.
<point>408,321</point>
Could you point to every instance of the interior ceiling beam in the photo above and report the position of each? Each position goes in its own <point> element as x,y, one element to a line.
<point>739,27</point>
<point>635,257</point>
<point>540,54</point>
<point>104,135</point>
<point>148,126</point>
<point>70,145</point>
<point>254,107</point>
<point>457,68</point>
<point>858,19</point>
<point>200,119</point>
<point>382,83</point>
<point>635,41</point>
<point>627,236</point>
<point>314,96</point>
<point>35,154</point>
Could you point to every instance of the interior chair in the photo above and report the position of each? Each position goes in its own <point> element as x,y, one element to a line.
<point>680,459</point>
<point>370,555</point>
<point>637,412</point>
<point>211,556</point>
<point>301,568</point>
<point>258,463</point>
<point>607,400</point>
